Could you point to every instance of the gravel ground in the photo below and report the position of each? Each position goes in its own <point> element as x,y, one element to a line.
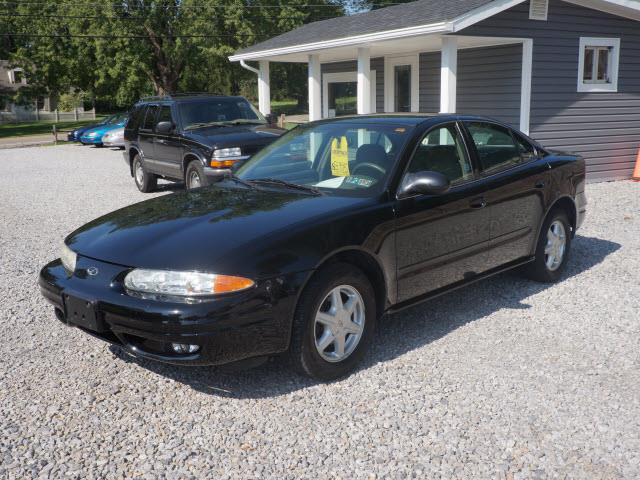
<point>503,379</point>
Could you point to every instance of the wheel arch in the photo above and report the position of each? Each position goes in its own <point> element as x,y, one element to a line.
<point>363,260</point>
<point>565,203</point>
<point>187,158</point>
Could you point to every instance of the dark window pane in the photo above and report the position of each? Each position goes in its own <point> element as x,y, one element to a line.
<point>588,64</point>
<point>603,64</point>
<point>165,115</point>
<point>527,150</point>
<point>442,151</point>
<point>495,145</point>
<point>402,88</point>
<point>149,119</point>
<point>342,98</point>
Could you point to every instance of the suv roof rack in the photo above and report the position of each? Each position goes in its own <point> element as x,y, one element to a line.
<point>177,95</point>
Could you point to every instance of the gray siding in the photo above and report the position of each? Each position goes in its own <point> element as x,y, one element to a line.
<point>489,81</point>
<point>376,64</point>
<point>603,127</point>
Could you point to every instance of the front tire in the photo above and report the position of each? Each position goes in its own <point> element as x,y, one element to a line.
<point>145,181</point>
<point>552,251</point>
<point>195,176</point>
<point>334,323</point>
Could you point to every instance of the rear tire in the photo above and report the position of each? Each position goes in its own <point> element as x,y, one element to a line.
<point>552,251</point>
<point>334,323</point>
<point>195,176</point>
<point>145,181</point>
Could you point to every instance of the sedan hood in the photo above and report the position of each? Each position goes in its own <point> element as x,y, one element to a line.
<point>214,229</point>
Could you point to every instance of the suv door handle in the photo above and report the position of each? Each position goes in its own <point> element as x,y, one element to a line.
<point>478,203</point>
<point>162,141</point>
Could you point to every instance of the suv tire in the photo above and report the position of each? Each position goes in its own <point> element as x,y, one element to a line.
<point>195,177</point>
<point>145,181</point>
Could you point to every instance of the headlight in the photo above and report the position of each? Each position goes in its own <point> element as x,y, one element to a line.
<point>92,134</point>
<point>68,258</point>
<point>183,284</point>
<point>227,152</point>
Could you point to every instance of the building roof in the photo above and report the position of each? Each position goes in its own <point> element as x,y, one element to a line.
<point>406,15</point>
<point>422,17</point>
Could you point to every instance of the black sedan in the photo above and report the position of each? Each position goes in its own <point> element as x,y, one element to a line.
<point>307,244</point>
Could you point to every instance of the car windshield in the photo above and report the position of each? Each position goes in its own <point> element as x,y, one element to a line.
<point>218,112</point>
<point>340,157</point>
<point>118,118</point>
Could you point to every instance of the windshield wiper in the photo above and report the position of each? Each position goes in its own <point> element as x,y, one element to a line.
<point>202,125</point>
<point>229,175</point>
<point>284,183</point>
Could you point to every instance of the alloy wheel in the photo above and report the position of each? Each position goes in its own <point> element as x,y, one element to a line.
<point>194,180</point>
<point>139,174</point>
<point>339,323</point>
<point>556,245</point>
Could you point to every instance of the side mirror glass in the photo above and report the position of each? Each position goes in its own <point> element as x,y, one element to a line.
<point>424,183</point>
<point>164,127</point>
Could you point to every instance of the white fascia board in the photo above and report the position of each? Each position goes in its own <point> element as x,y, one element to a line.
<point>442,27</point>
<point>482,13</point>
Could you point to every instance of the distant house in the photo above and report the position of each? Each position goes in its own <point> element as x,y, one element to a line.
<point>565,71</point>
<point>12,79</point>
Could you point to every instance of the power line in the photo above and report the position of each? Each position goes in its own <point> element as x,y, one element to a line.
<point>117,37</point>
<point>193,6</point>
<point>82,17</point>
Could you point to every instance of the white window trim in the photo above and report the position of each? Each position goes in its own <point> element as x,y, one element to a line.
<point>344,77</point>
<point>389,81</point>
<point>614,44</point>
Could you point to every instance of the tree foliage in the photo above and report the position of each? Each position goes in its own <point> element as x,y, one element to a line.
<point>116,51</point>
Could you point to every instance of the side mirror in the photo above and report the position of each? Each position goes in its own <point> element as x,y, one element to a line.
<point>424,183</point>
<point>164,127</point>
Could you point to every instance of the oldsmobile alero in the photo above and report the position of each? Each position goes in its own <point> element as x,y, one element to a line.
<point>303,247</point>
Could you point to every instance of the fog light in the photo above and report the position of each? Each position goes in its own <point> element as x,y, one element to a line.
<point>184,348</point>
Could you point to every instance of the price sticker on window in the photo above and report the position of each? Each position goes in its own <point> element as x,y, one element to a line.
<point>340,157</point>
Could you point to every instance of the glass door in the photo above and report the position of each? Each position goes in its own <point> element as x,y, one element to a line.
<point>402,90</point>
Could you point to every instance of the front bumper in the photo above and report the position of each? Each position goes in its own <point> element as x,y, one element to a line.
<point>230,328</point>
<point>91,140</point>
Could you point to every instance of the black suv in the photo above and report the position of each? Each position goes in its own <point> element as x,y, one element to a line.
<point>192,138</point>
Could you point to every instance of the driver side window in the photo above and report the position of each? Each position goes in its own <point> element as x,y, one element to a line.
<point>442,150</point>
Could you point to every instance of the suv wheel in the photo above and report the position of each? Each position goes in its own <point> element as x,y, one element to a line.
<point>145,181</point>
<point>195,176</point>
<point>334,322</point>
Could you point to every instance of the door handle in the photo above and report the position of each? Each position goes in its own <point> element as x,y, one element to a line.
<point>478,203</point>
<point>163,142</point>
<point>540,184</point>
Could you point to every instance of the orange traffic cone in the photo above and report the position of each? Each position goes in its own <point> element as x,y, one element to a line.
<point>636,172</point>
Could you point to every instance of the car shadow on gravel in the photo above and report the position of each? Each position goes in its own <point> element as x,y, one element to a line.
<point>397,334</point>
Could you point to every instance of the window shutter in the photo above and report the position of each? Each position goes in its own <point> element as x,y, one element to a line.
<point>538,9</point>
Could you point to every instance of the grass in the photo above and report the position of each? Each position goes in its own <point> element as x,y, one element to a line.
<point>39,128</point>
<point>288,106</point>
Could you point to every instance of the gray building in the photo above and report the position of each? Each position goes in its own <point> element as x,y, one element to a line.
<point>567,72</point>
<point>11,80</point>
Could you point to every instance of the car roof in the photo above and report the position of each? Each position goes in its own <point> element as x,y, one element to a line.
<point>185,98</point>
<point>406,119</point>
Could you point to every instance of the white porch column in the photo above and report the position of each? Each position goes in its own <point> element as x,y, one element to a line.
<point>364,81</point>
<point>525,94</point>
<point>315,84</point>
<point>448,75</point>
<point>264,89</point>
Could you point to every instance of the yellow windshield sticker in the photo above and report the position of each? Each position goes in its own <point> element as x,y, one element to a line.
<point>339,157</point>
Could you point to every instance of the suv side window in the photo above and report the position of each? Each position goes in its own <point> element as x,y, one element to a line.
<point>135,118</point>
<point>442,150</point>
<point>150,117</point>
<point>165,114</point>
<point>495,145</point>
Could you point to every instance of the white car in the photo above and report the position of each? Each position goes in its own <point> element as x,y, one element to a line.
<point>114,138</point>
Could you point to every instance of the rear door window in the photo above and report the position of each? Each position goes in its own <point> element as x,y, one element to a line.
<point>495,145</point>
<point>136,116</point>
<point>165,114</point>
<point>150,117</point>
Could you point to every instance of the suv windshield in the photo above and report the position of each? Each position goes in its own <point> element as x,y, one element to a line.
<point>218,111</point>
<point>342,157</point>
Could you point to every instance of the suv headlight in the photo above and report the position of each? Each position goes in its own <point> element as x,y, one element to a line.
<point>227,152</point>
<point>183,284</point>
<point>68,258</point>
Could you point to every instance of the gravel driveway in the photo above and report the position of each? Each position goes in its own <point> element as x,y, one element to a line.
<point>503,379</point>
